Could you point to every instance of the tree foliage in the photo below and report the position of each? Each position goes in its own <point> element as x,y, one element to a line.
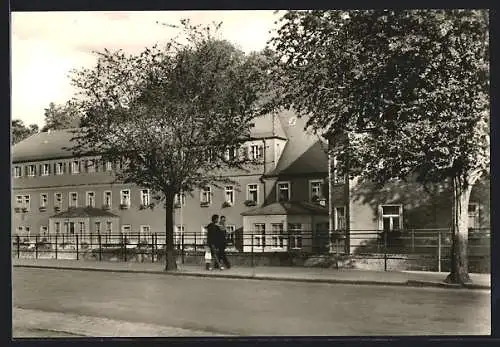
<point>20,131</point>
<point>407,90</point>
<point>63,116</point>
<point>171,114</point>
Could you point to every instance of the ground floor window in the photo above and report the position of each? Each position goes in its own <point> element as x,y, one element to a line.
<point>230,233</point>
<point>259,234</point>
<point>295,234</point>
<point>391,217</point>
<point>278,235</point>
<point>179,231</point>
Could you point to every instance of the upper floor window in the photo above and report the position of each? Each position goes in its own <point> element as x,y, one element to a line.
<point>19,200</point>
<point>229,194</point>
<point>145,197</point>
<point>180,199</point>
<point>340,220</point>
<point>45,169</point>
<point>17,171</point>
<point>58,199</point>
<point>283,191</point>
<point>473,216</point>
<point>125,197</point>
<point>90,199</point>
<point>109,166</point>
<point>255,152</point>
<point>31,170</point>
<point>75,167</point>
<point>391,217</point>
<point>253,192</point>
<point>231,153</point>
<point>206,195</point>
<point>43,200</point>
<point>107,199</point>
<point>59,168</point>
<point>90,166</point>
<point>73,199</point>
<point>316,190</point>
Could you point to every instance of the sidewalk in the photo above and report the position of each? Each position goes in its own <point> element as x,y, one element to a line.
<point>297,274</point>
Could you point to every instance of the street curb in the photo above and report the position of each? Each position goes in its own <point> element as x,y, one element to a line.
<point>408,283</point>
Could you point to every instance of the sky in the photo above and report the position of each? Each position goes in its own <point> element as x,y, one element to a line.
<point>46,46</point>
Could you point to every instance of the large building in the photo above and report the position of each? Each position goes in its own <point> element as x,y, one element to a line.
<point>279,205</point>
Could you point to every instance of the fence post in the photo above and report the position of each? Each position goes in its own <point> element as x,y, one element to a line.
<point>124,245</point>
<point>56,246</point>
<point>412,240</point>
<point>439,250</point>
<point>152,248</point>
<point>77,256</point>
<point>251,254</point>
<point>195,242</point>
<point>18,239</point>
<point>36,246</point>
<point>385,251</point>
<point>100,245</point>
<point>182,248</point>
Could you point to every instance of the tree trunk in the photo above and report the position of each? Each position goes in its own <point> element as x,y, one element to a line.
<point>170,254</point>
<point>459,271</point>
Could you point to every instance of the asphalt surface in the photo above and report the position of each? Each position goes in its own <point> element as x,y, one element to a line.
<point>246,307</point>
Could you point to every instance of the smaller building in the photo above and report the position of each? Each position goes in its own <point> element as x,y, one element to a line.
<point>286,226</point>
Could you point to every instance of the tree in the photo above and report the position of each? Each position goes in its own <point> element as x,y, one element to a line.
<point>64,116</point>
<point>407,90</point>
<point>20,131</point>
<point>171,114</point>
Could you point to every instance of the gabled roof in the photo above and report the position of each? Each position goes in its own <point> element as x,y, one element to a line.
<point>83,212</point>
<point>268,126</point>
<point>44,145</point>
<point>288,208</point>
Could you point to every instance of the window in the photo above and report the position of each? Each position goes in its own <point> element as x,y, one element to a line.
<point>278,235</point>
<point>107,199</point>
<point>230,231</point>
<point>253,192</point>
<point>90,166</point>
<point>44,231</point>
<point>338,178</point>
<point>315,190</point>
<point>255,152</point>
<point>90,199</point>
<point>180,200</point>
<point>31,170</point>
<point>231,154</point>
<point>125,197</point>
<point>283,191</point>
<point>145,234</point>
<point>57,226</point>
<point>58,200</point>
<point>59,168</point>
<point>206,195</point>
<point>391,217</point>
<point>126,233</point>
<point>98,227</point>
<point>109,166</point>
<point>45,169</point>
<point>340,220</point>
<point>75,167</point>
<point>109,230</point>
<point>473,216</point>
<point>26,203</point>
<point>295,232</point>
<point>179,231</point>
<point>82,229</point>
<point>145,197</point>
<point>73,199</point>
<point>43,200</point>
<point>259,234</point>
<point>229,194</point>
<point>17,171</point>
<point>19,201</point>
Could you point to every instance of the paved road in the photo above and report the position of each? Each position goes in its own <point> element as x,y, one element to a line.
<point>246,307</point>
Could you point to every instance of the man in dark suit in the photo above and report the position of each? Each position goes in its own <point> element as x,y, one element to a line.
<point>214,240</point>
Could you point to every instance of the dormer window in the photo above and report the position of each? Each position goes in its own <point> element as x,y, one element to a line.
<point>75,167</point>
<point>45,169</point>
<point>283,191</point>
<point>59,168</point>
<point>17,171</point>
<point>31,170</point>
